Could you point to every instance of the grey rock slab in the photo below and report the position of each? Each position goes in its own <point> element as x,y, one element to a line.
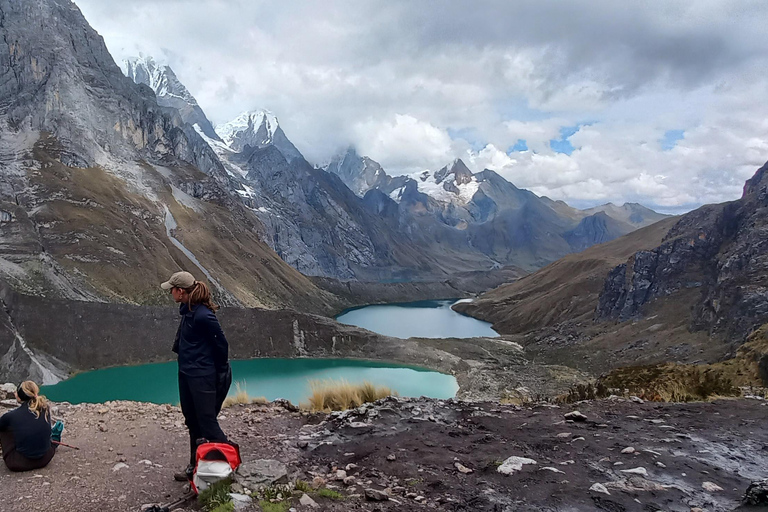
<point>261,472</point>
<point>376,495</point>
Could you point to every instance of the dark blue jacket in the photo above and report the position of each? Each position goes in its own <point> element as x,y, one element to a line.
<point>31,435</point>
<point>200,342</point>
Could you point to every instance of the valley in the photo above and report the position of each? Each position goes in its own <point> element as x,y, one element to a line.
<point>496,311</point>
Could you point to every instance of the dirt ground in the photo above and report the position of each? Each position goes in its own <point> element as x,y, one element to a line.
<point>424,454</point>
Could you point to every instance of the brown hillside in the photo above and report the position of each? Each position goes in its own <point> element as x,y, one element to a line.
<point>567,289</point>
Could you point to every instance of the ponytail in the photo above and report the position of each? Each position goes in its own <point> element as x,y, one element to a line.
<point>30,392</point>
<point>200,294</point>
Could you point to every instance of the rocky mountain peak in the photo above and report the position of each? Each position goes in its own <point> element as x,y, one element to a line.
<point>169,90</point>
<point>257,129</point>
<point>461,174</point>
<point>161,79</point>
<point>359,173</point>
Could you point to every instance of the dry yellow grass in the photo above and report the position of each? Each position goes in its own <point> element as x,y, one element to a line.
<point>338,395</point>
<point>241,397</point>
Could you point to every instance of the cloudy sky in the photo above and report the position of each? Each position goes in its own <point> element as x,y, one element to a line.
<point>662,103</point>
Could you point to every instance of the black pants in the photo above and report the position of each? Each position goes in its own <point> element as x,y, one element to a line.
<point>18,462</point>
<point>201,399</point>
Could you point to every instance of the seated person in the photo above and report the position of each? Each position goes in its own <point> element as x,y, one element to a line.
<point>25,432</point>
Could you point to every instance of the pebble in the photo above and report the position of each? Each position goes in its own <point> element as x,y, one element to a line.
<point>340,475</point>
<point>661,464</point>
<point>391,457</point>
<point>306,501</point>
<point>575,416</point>
<point>375,495</point>
<point>636,471</point>
<point>711,487</point>
<point>462,468</point>
<point>628,449</point>
<point>564,435</point>
<point>514,464</point>
<point>119,466</point>
<point>554,470</point>
<point>599,488</point>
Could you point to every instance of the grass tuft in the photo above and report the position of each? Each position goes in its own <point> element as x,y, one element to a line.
<point>216,496</point>
<point>241,397</point>
<point>658,383</point>
<point>280,506</point>
<point>302,486</point>
<point>331,395</point>
<point>330,494</point>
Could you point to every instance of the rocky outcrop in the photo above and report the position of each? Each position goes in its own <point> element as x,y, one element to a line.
<point>719,250</point>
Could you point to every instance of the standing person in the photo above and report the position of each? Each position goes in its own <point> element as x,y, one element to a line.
<point>25,432</point>
<point>204,372</point>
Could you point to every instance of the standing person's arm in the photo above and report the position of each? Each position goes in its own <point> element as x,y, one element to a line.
<point>176,340</point>
<point>218,340</point>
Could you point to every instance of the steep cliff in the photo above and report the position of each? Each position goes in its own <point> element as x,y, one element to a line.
<point>720,251</point>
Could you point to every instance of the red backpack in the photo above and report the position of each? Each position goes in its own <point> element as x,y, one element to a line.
<point>214,462</point>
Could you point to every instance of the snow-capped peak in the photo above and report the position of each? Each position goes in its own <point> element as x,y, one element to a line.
<point>247,126</point>
<point>160,78</point>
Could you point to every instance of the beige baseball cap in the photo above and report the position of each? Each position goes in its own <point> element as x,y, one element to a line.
<point>179,280</point>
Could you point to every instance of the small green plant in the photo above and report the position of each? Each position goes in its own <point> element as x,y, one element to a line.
<point>225,507</point>
<point>330,494</point>
<point>275,492</point>
<point>216,495</point>
<point>302,486</point>
<point>268,506</point>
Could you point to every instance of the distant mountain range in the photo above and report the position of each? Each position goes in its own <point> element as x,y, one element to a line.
<point>406,227</point>
<point>113,179</point>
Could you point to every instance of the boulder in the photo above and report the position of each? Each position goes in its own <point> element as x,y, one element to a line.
<point>757,493</point>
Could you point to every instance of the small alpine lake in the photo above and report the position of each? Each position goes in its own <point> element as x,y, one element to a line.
<point>422,319</point>
<point>270,378</point>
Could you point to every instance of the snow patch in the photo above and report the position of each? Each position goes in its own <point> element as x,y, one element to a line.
<point>185,199</point>
<point>170,226</point>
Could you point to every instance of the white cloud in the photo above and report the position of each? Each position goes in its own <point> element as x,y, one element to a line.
<point>403,142</point>
<point>399,79</point>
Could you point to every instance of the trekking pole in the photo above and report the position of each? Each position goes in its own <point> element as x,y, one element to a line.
<point>64,444</point>
<point>170,506</point>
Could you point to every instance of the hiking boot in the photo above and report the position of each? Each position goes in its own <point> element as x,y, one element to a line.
<point>186,475</point>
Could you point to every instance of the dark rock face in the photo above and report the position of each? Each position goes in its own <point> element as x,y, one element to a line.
<point>721,249</point>
<point>61,79</point>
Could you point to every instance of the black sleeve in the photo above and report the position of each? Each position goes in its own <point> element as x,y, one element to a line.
<point>220,345</point>
<point>5,422</point>
<point>176,341</point>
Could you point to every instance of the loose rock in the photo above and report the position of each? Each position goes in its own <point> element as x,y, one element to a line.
<point>376,495</point>
<point>514,464</point>
<point>575,416</point>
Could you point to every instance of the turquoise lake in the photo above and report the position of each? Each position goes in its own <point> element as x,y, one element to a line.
<point>270,378</point>
<point>423,319</point>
